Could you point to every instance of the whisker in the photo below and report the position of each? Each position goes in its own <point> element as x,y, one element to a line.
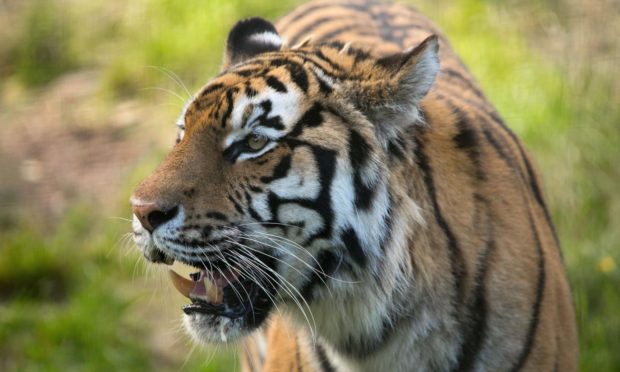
<point>164,90</point>
<point>318,270</point>
<point>277,259</point>
<point>172,75</point>
<point>287,284</point>
<point>239,297</point>
<point>247,261</point>
<point>119,218</point>
<point>256,280</point>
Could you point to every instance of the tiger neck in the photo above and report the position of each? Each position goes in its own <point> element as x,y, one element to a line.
<point>366,317</point>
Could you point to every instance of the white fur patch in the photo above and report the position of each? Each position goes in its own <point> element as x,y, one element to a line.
<point>285,105</point>
<point>266,37</point>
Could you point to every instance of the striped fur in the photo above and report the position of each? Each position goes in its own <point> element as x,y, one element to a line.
<point>394,220</point>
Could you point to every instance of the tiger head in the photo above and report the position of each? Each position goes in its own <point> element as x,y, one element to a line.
<point>278,190</point>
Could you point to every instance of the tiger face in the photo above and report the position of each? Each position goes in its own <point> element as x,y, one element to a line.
<point>278,189</point>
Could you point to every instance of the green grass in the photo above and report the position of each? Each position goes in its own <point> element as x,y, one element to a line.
<point>65,311</point>
<point>68,297</point>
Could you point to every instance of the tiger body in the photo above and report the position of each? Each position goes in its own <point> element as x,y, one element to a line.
<point>403,223</point>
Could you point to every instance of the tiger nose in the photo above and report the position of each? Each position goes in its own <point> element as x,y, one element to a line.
<point>152,215</point>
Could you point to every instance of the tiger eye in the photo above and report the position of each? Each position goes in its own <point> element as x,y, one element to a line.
<point>257,142</point>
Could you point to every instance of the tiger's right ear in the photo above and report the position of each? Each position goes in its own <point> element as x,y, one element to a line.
<point>248,38</point>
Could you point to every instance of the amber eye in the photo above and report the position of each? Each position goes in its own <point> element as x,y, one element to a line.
<point>256,142</point>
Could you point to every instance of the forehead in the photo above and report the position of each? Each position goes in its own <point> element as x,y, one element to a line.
<point>238,98</point>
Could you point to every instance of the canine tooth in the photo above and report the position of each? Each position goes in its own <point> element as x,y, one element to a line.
<point>184,286</point>
<point>214,294</point>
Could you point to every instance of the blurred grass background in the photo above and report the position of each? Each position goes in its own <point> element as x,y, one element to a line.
<point>88,98</point>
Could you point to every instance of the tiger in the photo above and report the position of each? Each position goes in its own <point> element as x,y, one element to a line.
<point>352,201</point>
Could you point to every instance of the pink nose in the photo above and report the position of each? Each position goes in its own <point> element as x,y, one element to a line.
<point>152,215</point>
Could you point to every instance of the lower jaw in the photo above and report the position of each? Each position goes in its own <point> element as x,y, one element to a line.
<point>213,329</point>
<point>206,324</point>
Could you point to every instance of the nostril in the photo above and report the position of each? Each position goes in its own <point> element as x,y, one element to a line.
<point>157,218</point>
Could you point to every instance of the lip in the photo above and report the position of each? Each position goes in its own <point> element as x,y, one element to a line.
<point>230,307</point>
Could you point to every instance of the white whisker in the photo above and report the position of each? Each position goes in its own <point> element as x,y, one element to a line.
<point>172,75</point>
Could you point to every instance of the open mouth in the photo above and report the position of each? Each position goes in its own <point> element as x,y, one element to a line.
<point>244,293</point>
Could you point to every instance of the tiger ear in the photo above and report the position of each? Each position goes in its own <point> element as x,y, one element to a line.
<point>401,82</point>
<point>248,38</point>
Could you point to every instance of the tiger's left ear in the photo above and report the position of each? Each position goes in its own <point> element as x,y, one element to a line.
<point>248,38</point>
<point>391,97</point>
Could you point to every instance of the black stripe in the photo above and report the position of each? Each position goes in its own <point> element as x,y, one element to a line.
<point>456,256</point>
<point>540,288</point>
<point>333,64</point>
<point>539,198</point>
<point>497,146</point>
<point>275,84</point>
<point>361,31</point>
<point>299,76</point>
<point>468,83</point>
<point>313,25</point>
<point>229,102</point>
<point>311,118</point>
<point>266,106</point>
<point>307,11</point>
<point>251,210</point>
<point>210,89</point>
<point>296,71</point>
<point>216,216</point>
<point>249,91</point>
<point>318,60</point>
<point>236,204</point>
<point>324,87</point>
<point>498,143</point>
<point>264,120</point>
<point>273,122</point>
<point>246,72</point>
<point>354,247</point>
<point>279,171</point>
<point>359,151</point>
<point>216,109</point>
<point>326,365</point>
<point>467,140</point>
<point>326,161</point>
<point>396,148</point>
<point>232,152</point>
<point>476,326</point>
<point>195,243</point>
<point>325,265</point>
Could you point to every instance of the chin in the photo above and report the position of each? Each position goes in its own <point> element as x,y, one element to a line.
<point>211,329</point>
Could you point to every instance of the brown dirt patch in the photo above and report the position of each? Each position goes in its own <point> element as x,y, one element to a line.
<point>66,145</point>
